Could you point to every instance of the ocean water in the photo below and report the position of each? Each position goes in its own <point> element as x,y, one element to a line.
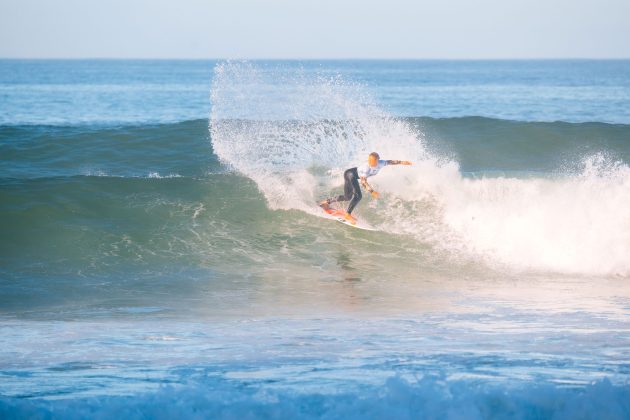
<point>161,254</point>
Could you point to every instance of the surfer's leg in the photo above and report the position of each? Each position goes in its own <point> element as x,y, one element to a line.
<point>350,185</point>
<point>356,194</point>
<point>338,198</point>
<point>348,188</point>
<point>327,202</point>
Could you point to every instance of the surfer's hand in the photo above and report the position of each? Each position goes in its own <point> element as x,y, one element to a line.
<point>375,194</point>
<point>405,162</point>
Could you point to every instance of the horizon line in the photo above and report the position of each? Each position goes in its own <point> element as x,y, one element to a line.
<point>326,58</point>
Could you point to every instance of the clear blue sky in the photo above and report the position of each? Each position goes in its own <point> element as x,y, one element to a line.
<point>315,28</point>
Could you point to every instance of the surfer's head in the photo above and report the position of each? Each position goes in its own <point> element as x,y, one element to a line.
<point>373,159</point>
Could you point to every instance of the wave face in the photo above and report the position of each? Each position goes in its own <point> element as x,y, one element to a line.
<point>125,198</point>
<point>568,219</point>
<point>156,201</point>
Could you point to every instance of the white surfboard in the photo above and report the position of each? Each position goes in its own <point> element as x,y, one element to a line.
<point>338,215</point>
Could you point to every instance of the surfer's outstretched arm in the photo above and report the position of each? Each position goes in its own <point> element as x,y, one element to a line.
<point>398,162</point>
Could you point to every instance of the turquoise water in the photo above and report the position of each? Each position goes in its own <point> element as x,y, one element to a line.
<point>161,254</point>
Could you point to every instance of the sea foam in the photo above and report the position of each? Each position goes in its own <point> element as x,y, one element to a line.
<point>431,397</point>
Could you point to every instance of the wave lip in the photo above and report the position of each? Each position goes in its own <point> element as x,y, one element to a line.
<point>45,151</point>
<point>477,144</point>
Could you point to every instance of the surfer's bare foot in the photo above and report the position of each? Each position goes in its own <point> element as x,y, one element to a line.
<point>324,204</point>
<point>349,218</point>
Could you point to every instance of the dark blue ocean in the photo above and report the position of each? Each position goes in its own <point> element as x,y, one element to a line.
<point>162,254</point>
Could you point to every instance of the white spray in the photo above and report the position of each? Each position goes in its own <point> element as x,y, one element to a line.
<point>293,134</point>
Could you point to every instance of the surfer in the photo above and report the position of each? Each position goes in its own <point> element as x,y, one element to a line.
<point>353,176</point>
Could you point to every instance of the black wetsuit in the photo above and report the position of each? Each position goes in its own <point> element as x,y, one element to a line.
<point>351,189</point>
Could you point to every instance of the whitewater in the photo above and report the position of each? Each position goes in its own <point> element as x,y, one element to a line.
<point>162,254</point>
<point>568,221</point>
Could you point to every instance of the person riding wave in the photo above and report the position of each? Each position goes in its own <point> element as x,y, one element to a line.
<point>353,176</point>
